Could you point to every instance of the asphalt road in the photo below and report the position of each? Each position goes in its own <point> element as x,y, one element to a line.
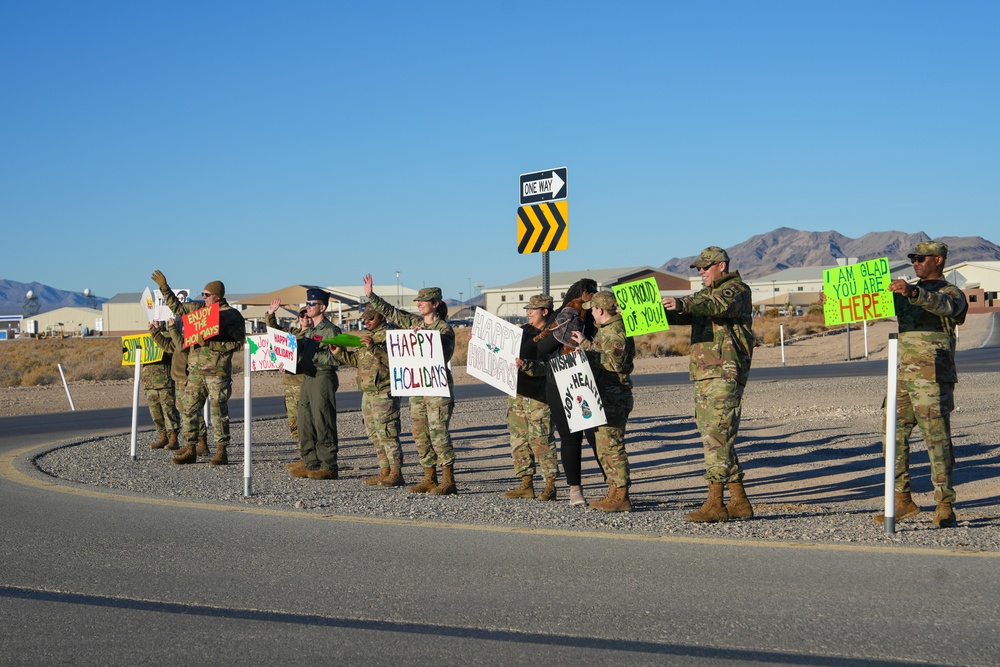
<point>90,578</point>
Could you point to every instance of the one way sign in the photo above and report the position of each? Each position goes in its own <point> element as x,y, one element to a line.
<point>540,186</point>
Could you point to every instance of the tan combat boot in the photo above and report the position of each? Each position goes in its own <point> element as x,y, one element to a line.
<point>186,455</point>
<point>447,486</point>
<point>394,478</point>
<point>430,481</point>
<point>322,473</point>
<point>172,441</point>
<point>904,508</point>
<point>549,492</point>
<point>944,516</point>
<point>382,474</point>
<point>713,511</point>
<point>203,447</point>
<point>161,443</point>
<point>739,506</point>
<point>617,500</point>
<point>220,458</point>
<point>526,490</point>
<point>301,463</point>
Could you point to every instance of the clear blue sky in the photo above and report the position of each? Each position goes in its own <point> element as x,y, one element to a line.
<point>266,144</point>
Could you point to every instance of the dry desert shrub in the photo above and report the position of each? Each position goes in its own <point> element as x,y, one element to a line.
<point>29,361</point>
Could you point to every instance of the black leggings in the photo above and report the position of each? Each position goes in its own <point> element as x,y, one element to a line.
<point>570,444</point>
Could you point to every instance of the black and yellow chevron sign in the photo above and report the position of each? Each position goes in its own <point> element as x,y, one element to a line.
<point>543,227</point>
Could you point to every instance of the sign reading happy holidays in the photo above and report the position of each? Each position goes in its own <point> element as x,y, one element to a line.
<point>494,346</point>
<point>416,363</point>
<point>578,393</point>
<point>283,350</point>
<point>858,292</point>
<point>201,325</point>
<point>640,306</point>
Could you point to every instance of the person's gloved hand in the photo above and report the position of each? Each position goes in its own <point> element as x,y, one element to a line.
<point>159,279</point>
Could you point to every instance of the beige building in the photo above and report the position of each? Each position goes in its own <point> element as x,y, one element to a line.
<point>63,322</point>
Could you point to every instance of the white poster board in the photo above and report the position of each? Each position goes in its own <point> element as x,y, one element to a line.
<point>416,363</point>
<point>578,391</point>
<point>494,346</point>
<point>148,305</point>
<point>155,307</point>
<point>260,353</point>
<point>284,350</point>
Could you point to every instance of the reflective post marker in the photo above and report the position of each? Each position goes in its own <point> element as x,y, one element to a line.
<point>890,438</point>
<point>781,328</point>
<point>247,419</point>
<point>135,397</point>
<point>66,387</point>
<point>866,339</point>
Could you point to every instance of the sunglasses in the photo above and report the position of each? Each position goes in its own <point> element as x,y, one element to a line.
<point>917,259</point>
<point>207,294</point>
<point>313,303</point>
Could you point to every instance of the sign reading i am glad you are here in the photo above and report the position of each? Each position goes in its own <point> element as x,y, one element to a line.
<point>640,307</point>
<point>857,292</point>
<point>416,363</point>
<point>493,348</point>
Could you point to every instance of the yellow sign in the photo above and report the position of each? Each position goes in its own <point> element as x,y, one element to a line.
<point>543,227</point>
<point>151,352</point>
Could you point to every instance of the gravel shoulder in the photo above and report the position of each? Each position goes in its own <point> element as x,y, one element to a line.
<point>811,448</point>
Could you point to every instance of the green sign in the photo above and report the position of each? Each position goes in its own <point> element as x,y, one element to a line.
<point>857,292</point>
<point>640,306</point>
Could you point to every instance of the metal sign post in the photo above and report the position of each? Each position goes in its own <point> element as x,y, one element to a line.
<point>543,216</point>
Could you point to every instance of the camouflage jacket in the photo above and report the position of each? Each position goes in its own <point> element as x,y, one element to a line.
<point>927,331</point>
<point>610,354</point>
<point>314,357</point>
<point>372,362</point>
<point>722,338</point>
<point>171,340</point>
<point>407,320</point>
<point>157,375</point>
<point>287,379</point>
<point>215,356</point>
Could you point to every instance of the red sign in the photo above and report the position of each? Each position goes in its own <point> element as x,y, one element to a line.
<point>201,325</point>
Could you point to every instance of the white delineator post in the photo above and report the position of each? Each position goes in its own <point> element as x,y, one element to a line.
<point>66,387</point>
<point>866,338</point>
<point>135,397</point>
<point>890,437</point>
<point>781,329</point>
<point>247,420</point>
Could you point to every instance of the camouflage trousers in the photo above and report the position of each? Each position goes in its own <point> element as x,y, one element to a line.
<point>610,437</point>
<point>431,417</point>
<point>531,438</point>
<point>926,404</point>
<point>718,405</point>
<point>163,409</point>
<point>381,416</point>
<point>182,388</point>
<point>292,393</point>
<point>216,389</point>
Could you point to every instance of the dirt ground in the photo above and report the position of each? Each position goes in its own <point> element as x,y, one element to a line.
<point>817,350</point>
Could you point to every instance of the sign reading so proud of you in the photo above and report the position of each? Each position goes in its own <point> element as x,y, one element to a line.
<point>640,306</point>
<point>858,292</point>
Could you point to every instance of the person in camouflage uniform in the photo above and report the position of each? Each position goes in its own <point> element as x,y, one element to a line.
<point>611,354</point>
<point>379,409</point>
<point>430,416</point>
<point>210,369</point>
<point>928,314</point>
<point>722,343</point>
<point>159,388</point>
<point>292,382</point>
<point>529,417</point>
<point>170,338</point>
<point>317,419</point>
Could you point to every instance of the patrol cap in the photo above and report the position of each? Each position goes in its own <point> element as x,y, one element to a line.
<point>929,248</point>
<point>217,288</point>
<point>539,301</point>
<point>429,294</point>
<point>604,301</point>
<point>713,254</point>
<point>316,294</point>
<point>302,312</point>
<point>369,314</point>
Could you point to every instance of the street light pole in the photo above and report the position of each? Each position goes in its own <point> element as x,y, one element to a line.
<point>399,296</point>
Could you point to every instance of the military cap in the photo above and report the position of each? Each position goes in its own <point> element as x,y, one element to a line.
<point>369,314</point>
<point>216,287</point>
<point>302,312</point>
<point>929,248</point>
<point>429,294</point>
<point>316,294</point>
<point>713,254</point>
<point>603,300</point>
<point>539,301</point>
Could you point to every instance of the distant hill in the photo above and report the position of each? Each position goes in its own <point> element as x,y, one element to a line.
<point>12,295</point>
<point>786,248</point>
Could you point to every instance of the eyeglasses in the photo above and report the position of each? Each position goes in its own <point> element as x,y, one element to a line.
<point>207,294</point>
<point>917,259</point>
<point>313,303</point>
<point>706,268</point>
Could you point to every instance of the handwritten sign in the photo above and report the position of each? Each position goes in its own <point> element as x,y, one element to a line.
<point>148,305</point>
<point>640,306</point>
<point>201,325</point>
<point>151,352</point>
<point>858,292</point>
<point>416,363</point>
<point>161,311</point>
<point>260,353</point>
<point>578,389</point>
<point>494,346</point>
<point>283,349</point>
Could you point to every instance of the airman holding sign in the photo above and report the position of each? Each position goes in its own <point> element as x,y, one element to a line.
<point>857,292</point>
